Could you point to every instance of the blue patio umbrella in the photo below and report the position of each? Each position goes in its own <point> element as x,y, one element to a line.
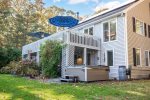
<point>63,21</point>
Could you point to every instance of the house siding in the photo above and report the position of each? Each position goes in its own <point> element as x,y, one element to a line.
<point>118,46</point>
<point>141,11</point>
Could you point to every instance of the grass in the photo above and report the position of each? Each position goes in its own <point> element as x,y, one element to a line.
<point>17,88</point>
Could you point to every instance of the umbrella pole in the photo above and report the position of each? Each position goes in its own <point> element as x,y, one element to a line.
<point>57,29</point>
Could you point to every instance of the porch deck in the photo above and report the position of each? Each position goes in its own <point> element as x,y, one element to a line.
<point>89,73</point>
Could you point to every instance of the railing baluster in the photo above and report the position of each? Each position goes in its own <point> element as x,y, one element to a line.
<point>81,39</point>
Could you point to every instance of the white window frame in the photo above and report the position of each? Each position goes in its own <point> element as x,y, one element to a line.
<point>89,30</point>
<point>136,19</point>
<point>140,58</point>
<point>108,21</point>
<point>148,58</point>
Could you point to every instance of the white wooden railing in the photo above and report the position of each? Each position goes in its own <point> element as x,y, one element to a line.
<point>81,39</point>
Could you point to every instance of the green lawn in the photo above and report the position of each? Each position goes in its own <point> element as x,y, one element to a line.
<point>15,88</point>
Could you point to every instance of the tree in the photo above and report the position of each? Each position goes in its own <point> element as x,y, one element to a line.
<point>50,58</point>
<point>19,18</point>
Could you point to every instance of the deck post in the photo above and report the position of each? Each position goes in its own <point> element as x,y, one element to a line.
<point>85,56</point>
<point>85,63</point>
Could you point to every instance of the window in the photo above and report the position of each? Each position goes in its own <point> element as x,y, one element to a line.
<point>139,27</point>
<point>146,58</point>
<point>89,31</point>
<point>86,31</point>
<point>79,56</point>
<point>138,57</point>
<point>109,31</point>
<point>25,56</point>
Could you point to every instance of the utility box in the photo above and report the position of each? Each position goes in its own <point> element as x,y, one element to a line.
<point>122,73</point>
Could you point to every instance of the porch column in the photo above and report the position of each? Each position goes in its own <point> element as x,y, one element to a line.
<point>85,57</point>
<point>85,63</point>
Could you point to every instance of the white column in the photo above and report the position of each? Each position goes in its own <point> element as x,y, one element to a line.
<point>85,63</point>
<point>99,56</point>
<point>68,37</point>
<point>85,57</point>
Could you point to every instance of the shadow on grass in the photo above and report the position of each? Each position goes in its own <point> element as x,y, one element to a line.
<point>21,88</point>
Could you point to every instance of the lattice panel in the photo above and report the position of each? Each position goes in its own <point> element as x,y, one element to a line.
<point>71,55</point>
<point>63,64</point>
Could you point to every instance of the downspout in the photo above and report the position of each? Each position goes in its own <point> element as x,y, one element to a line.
<point>126,40</point>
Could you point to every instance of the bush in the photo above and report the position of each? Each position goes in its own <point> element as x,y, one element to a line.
<point>9,54</point>
<point>5,70</point>
<point>50,58</point>
<point>31,68</point>
<point>24,68</point>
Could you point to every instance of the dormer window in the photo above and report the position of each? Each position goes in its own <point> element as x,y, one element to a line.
<point>89,31</point>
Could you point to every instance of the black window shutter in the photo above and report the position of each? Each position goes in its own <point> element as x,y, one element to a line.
<point>149,31</point>
<point>134,25</point>
<point>145,29</point>
<point>134,56</point>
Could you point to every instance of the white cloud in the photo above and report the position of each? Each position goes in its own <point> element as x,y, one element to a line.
<point>108,5</point>
<point>56,1</point>
<point>81,1</point>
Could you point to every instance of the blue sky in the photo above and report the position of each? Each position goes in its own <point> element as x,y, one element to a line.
<point>84,7</point>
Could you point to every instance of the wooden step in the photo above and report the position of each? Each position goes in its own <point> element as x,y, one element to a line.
<point>66,80</point>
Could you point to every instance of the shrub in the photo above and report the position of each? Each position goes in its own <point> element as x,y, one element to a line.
<point>50,58</point>
<point>5,70</point>
<point>22,68</point>
<point>31,68</point>
<point>9,54</point>
<point>13,67</point>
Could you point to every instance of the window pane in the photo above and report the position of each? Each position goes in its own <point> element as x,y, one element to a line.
<point>146,58</point>
<point>86,31</point>
<point>113,30</point>
<point>138,60</point>
<point>139,27</point>
<point>106,32</point>
<point>91,31</point>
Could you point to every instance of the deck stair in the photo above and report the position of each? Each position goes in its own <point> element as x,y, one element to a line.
<point>69,78</point>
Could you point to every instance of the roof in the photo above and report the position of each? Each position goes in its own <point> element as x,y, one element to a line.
<point>39,35</point>
<point>107,13</point>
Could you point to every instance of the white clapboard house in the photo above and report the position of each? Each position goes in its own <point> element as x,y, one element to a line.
<point>116,37</point>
